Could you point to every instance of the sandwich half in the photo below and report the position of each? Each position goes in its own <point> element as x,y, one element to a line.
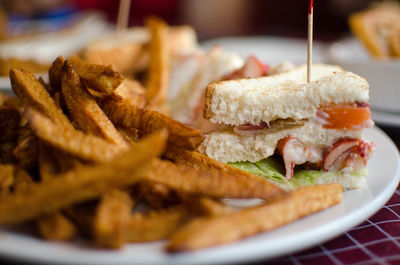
<point>292,132</point>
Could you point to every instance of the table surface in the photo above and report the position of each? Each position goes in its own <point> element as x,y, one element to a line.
<point>375,241</point>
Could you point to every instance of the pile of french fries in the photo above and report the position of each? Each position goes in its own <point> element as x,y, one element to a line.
<point>79,154</point>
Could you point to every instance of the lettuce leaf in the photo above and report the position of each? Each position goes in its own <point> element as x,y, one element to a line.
<point>272,169</point>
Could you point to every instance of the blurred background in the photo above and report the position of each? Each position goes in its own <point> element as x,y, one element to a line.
<point>210,18</point>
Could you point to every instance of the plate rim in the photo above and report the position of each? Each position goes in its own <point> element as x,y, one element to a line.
<point>336,228</point>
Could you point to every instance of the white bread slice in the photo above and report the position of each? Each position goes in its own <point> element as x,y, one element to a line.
<point>286,95</point>
<point>227,146</point>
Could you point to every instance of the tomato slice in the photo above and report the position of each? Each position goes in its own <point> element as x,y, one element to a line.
<point>345,117</point>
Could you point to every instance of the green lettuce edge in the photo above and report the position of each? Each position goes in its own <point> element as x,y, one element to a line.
<point>272,169</point>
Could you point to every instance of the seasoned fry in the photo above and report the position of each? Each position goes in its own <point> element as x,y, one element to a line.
<point>210,207</point>
<point>111,217</point>
<point>71,141</point>
<point>6,178</point>
<point>10,120</point>
<point>100,78</point>
<point>3,98</point>
<point>122,113</point>
<point>56,227</point>
<point>132,91</point>
<point>32,93</point>
<point>159,71</point>
<point>131,135</point>
<point>22,180</point>
<point>157,195</point>
<point>6,152</point>
<point>211,231</point>
<point>26,151</point>
<point>210,182</point>
<point>52,162</point>
<point>203,162</point>
<point>156,225</point>
<point>84,109</point>
<point>83,183</point>
<point>55,72</point>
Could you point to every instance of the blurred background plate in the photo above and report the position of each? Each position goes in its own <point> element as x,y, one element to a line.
<point>382,75</point>
<point>270,50</point>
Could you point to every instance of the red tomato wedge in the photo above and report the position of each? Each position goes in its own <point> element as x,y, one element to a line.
<point>345,117</point>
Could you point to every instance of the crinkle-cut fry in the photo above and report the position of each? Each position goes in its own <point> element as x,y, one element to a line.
<point>6,178</point>
<point>84,110</point>
<point>157,224</point>
<point>159,70</point>
<point>32,93</point>
<point>203,162</point>
<point>217,230</point>
<point>210,182</point>
<point>56,227</point>
<point>83,183</point>
<point>10,120</point>
<point>100,78</point>
<point>71,141</point>
<point>132,91</point>
<point>111,217</point>
<point>55,72</point>
<point>122,113</point>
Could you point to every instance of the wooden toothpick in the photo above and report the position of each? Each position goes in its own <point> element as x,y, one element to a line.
<point>310,39</point>
<point>123,14</point>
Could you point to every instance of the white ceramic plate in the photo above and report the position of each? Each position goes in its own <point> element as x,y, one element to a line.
<point>357,205</point>
<point>386,118</point>
<point>270,50</point>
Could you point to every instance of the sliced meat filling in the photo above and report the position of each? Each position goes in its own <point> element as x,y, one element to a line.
<point>345,154</point>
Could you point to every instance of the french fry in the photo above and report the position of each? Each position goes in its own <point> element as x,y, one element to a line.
<point>52,162</point>
<point>203,162</point>
<point>132,91</point>
<point>111,217</point>
<point>122,113</point>
<point>210,207</point>
<point>83,183</point>
<point>157,195</point>
<point>71,141</point>
<point>26,151</point>
<point>217,230</point>
<point>32,93</point>
<point>84,109</point>
<point>131,135</point>
<point>156,225</point>
<point>56,227</point>
<point>22,180</point>
<point>6,152</point>
<point>10,120</point>
<point>55,72</point>
<point>6,178</point>
<point>210,182</point>
<point>158,79</point>
<point>3,98</point>
<point>100,78</point>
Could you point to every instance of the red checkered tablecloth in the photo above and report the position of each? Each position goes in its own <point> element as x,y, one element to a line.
<point>375,241</point>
